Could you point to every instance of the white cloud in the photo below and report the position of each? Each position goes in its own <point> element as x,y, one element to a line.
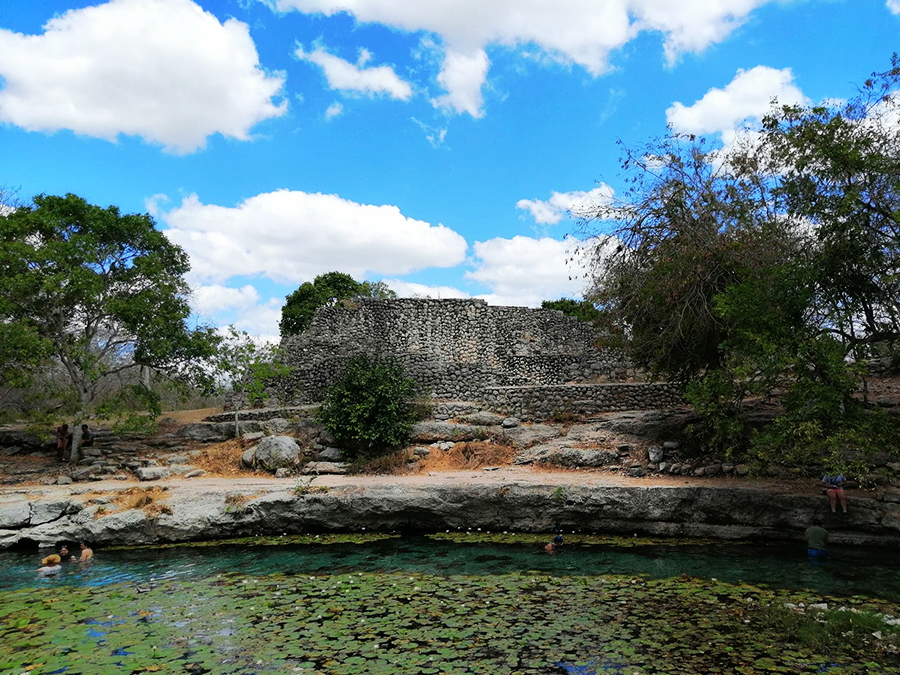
<point>583,32</point>
<point>334,110</point>
<point>208,300</point>
<point>434,135</point>
<point>525,271</point>
<point>893,6</point>
<point>408,289</point>
<point>462,76</point>
<point>291,236</point>
<point>561,204</point>
<point>747,97</point>
<point>345,76</point>
<point>163,70</point>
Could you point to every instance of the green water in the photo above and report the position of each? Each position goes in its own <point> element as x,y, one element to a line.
<point>470,604</point>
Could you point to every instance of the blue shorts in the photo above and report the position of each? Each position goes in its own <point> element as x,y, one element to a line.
<point>816,552</point>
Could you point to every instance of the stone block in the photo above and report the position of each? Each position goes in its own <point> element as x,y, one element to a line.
<point>146,473</point>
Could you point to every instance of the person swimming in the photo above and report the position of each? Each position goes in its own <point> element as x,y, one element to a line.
<point>50,565</point>
<point>554,545</point>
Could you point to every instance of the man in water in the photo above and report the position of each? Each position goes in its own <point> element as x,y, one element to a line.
<point>816,539</point>
<point>554,545</point>
<point>86,553</point>
<point>65,555</point>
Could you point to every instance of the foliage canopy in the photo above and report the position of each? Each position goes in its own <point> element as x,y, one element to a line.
<point>325,290</point>
<point>99,291</point>
<point>370,407</point>
<point>769,266</point>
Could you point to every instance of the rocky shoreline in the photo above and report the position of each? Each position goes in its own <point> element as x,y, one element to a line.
<point>111,513</point>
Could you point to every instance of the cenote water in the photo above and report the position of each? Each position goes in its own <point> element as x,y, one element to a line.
<point>452,603</point>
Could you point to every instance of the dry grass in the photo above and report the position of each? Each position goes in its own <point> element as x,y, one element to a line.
<point>224,460</point>
<point>466,456</point>
<point>393,464</point>
<point>147,499</point>
<point>189,416</point>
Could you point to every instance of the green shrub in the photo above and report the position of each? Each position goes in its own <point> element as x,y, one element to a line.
<point>370,408</point>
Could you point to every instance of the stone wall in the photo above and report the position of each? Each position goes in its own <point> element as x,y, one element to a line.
<point>454,349</point>
<point>542,402</point>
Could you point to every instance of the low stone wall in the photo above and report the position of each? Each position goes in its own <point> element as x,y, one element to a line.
<point>541,402</point>
<point>207,512</point>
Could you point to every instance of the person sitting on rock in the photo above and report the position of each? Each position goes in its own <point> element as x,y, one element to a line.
<point>87,436</point>
<point>554,545</point>
<point>834,488</point>
<point>86,553</point>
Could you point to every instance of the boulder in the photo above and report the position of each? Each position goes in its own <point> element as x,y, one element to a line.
<point>196,473</point>
<point>276,425</point>
<point>248,458</point>
<point>84,472</point>
<point>276,452</point>
<point>330,455</point>
<point>510,423</point>
<point>64,480</point>
<point>482,419</point>
<point>204,433</point>
<point>421,452</point>
<point>529,435</point>
<point>557,455</point>
<point>152,472</point>
<point>282,472</point>
<point>14,515</point>
<point>47,510</point>
<point>322,468</point>
<point>253,436</point>
<point>655,454</point>
<point>429,432</point>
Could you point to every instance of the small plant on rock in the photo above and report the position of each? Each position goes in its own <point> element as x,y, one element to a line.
<point>370,408</point>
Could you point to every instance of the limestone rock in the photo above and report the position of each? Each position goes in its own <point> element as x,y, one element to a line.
<point>152,472</point>
<point>655,454</point>
<point>64,480</point>
<point>429,432</point>
<point>14,515</point>
<point>529,435</point>
<point>196,473</point>
<point>483,419</point>
<point>47,510</point>
<point>566,456</point>
<point>421,452</point>
<point>323,468</point>
<point>510,423</point>
<point>275,452</point>
<point>84,472</point>
<point>330,455</point>
<point>253,436</point>
<point>248,457</point>
<point>205,433</point>
<point>282,472</point>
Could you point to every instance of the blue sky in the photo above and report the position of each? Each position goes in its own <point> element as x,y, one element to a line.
<point>440,146</point>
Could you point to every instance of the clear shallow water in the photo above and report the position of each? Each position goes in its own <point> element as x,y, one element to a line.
<point>419,605</point>
<point>847,571</point>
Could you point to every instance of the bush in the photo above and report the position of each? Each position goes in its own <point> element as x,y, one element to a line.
<point>370,408</point>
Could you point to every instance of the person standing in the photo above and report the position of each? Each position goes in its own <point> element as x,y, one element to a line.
<point>63,441</point>
<point>816,541</point>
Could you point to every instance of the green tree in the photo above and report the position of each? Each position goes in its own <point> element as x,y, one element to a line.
<point>101,291</point>
<point>247,367</point>
<point>326,290</point>
<point>770,267</point>
<point>370,407</point>
<point>583,310</point>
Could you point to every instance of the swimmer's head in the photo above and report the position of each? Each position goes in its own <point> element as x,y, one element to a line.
<point>51,560</point>
<point>558,540</point>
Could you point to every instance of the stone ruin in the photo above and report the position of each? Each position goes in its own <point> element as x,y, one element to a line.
<point>527,363</point>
